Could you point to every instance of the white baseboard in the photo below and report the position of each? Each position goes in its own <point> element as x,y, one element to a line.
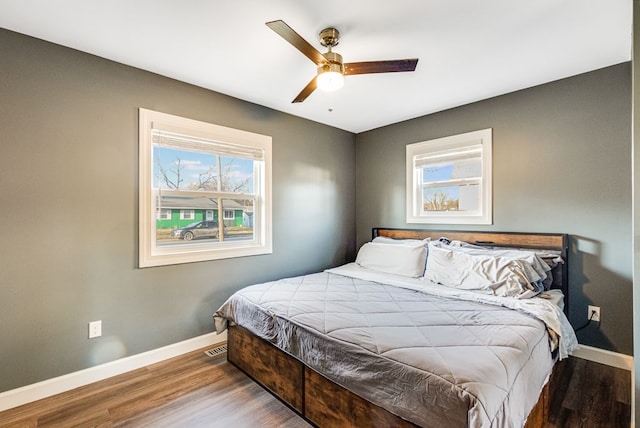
<point>37,391</point>
<point>602,356</point>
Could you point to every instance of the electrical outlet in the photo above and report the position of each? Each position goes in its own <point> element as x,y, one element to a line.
<point>593,313</point>
<point>95,329</point>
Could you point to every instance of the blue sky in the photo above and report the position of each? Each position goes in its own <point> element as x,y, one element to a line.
<point>195,163</point>
<point>439,173</point>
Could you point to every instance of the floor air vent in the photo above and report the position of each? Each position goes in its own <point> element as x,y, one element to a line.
<point>218,350</point>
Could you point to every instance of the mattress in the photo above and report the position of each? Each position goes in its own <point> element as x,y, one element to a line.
<point>434,360</point>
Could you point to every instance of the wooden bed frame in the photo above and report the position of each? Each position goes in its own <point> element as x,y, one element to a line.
<point>326,404</point>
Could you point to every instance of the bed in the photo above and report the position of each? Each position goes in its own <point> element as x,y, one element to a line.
<point>375,343</point>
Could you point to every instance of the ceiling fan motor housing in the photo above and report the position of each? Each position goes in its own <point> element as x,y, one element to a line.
<point>334,63</point>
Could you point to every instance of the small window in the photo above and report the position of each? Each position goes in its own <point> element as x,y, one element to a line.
<point>187,214</point>
<point>164,214</point>
<point>206,173</point>
<point>449,180</point>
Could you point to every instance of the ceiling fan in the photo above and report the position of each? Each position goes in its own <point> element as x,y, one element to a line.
<point>331,68</point>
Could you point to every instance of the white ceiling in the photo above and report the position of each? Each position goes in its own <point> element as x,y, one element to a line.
<point>468,50</point>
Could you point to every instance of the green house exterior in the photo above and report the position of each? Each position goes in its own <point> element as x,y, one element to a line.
<point>169,213</point>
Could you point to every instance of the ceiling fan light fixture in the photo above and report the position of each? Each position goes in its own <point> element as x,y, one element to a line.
<point>330,77</point>
<point>330,81</point>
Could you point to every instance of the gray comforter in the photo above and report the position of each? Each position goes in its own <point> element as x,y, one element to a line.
<point>433,360</point>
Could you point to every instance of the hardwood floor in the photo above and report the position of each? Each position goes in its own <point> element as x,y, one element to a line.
<point>192,390</point>
<point>195,390</point>
<point>588,394</point>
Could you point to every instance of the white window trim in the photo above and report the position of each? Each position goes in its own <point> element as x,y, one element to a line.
<point>414,188</point>
<point>224,215</point>
<point>152,255</point>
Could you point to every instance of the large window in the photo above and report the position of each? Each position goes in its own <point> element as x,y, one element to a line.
<point>449,179</point>
<point>214,179</point>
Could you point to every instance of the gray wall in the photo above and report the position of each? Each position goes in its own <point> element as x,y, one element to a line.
<point>68,198</point>
<point>561,163</point>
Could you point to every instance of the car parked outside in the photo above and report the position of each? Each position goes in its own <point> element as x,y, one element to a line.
<point>199,229</point>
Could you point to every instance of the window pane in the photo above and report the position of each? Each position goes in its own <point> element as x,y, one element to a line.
<point>237,175</point>
<point>467,169</point>
<point>238,219</point>
<point>176,169</point>
<point>464,198</point>
<point>436,173</point>
<point>452,170</point>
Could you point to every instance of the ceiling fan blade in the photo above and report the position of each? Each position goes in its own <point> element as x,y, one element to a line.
<point>368,67</point>
<point>311,86</point>
<point>296,40</point>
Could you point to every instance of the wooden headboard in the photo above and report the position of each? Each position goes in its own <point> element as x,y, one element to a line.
<point>539,241</point>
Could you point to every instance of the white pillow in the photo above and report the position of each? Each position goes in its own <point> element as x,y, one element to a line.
<point>406,259</point>
<point>501,276</point>
<point>542,261</point>
<point>531,256</point>
<point>385,240</point>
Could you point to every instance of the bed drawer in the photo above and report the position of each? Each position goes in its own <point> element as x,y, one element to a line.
<point>276,371</point>
<point>330,405</point>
